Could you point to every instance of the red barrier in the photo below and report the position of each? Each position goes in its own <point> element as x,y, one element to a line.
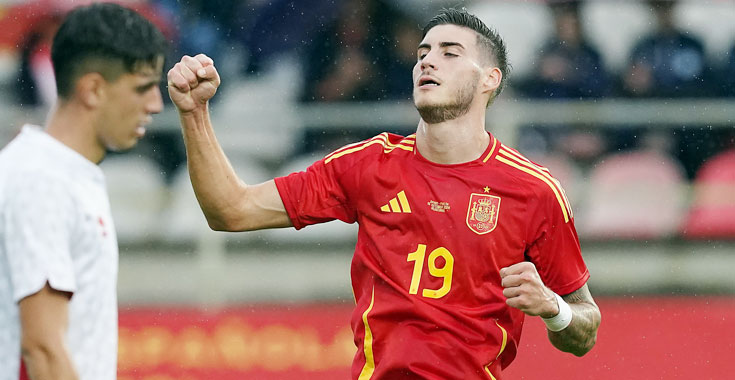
<point>640,339</point>
<point>260,342</point>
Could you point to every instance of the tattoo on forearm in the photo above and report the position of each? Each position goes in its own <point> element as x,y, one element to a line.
<point>580,336</point>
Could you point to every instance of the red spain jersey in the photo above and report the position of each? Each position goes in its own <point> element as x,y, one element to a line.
<point>432,239</point>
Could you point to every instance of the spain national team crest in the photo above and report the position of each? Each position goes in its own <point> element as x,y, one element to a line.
<point>482,213</point>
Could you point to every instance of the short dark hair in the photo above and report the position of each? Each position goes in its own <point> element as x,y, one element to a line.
<point>106,38</point>
<point>488,39</point>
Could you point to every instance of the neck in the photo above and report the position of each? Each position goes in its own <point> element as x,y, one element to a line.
<point>455,141</point>
<point>73,126</point>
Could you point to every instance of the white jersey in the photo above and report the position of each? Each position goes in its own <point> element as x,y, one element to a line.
<point>55,227</point>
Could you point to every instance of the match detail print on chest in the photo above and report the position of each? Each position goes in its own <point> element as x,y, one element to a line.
<point>483,208</point>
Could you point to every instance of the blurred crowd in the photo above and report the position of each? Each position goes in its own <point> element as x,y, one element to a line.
<point>670,62</point>
<point>363,50</point>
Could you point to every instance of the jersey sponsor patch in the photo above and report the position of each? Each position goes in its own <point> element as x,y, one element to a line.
<point>482,213</point>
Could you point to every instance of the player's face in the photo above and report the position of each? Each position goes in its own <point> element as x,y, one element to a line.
<point>131,100</point>
<point>447,74</point>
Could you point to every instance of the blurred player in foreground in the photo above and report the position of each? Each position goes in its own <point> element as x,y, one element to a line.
<point>58,248</point>
<point>460,236</point>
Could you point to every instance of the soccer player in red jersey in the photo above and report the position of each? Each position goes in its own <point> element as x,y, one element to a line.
<point>460,236</point>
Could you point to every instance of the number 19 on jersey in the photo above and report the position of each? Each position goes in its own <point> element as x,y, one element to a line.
<point>444,272</point>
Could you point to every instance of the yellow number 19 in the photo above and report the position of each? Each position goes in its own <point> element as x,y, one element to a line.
<point>445,272</point>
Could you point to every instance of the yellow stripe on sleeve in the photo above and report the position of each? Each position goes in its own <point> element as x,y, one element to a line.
<point>541,170</point>
<point>564,195</point>
<point>353,150</point>
<point>353,145</point>
<point>541,177</point>
<point>382,139</point>
<point>512,153</point>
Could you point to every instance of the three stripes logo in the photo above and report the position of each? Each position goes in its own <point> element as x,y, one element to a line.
<point>398,204</point>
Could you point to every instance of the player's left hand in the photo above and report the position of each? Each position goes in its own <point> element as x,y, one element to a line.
<point>524,290</point>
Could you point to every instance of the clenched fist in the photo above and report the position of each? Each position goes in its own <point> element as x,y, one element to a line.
<point>524,290</point>
<point>192,82</point>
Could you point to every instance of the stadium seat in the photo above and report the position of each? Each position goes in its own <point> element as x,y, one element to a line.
<point>712,22</point>
<point>633,195</point>
<point>257,117</point>
<point>712,211</point>
<point>137,192</point>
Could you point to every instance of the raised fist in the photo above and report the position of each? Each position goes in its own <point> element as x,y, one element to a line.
<point>192,82</point>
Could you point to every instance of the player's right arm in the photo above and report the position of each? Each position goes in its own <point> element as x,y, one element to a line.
<point>228,203</point>
<point>44,318</point>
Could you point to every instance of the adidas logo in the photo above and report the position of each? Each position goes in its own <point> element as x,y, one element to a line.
<point>397,204</point>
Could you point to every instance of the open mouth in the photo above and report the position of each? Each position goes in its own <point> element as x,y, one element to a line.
<point>428,82</point>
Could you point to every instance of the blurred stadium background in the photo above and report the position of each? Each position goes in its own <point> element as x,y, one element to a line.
<point>638,130</point>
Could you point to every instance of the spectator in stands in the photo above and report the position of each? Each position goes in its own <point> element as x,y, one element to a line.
<point>668,63</point>
<point>339,63</point>
<point>208,21</point>
<point>281,26</point>
<point>356,58</point>
<point>363,55</point>
<point>671,63</point>
<point>399,36</point>
<point>568,66</point>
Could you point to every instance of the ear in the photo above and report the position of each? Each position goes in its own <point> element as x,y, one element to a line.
<point>91,89</point>
<point>491,77</point>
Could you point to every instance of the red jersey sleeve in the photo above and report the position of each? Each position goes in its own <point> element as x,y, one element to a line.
<point>319,194</point>
<point>554,247</point>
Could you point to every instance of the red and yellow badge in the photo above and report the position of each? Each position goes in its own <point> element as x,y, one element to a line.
<point>482,213</point>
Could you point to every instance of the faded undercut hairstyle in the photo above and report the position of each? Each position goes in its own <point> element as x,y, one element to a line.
<point>488,39</point>
<point>105,38</point>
